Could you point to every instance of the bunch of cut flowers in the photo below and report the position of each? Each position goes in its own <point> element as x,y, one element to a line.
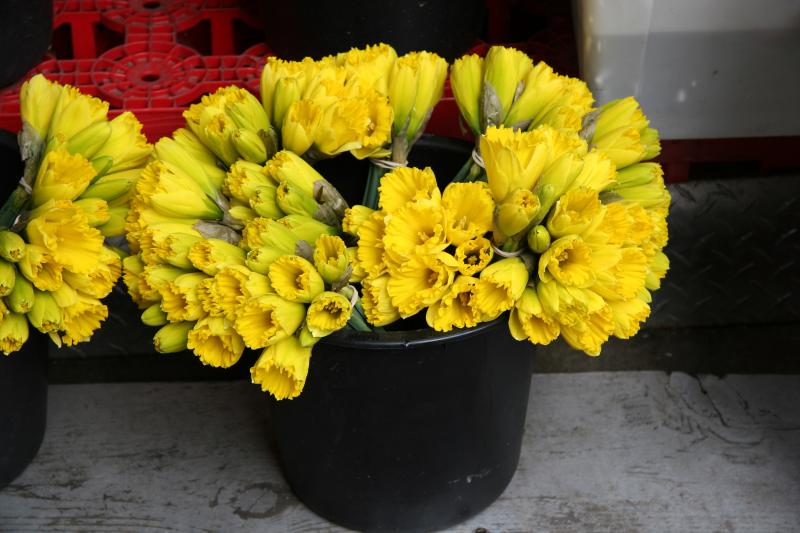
<point>60,226</point>
<point>556,221</point>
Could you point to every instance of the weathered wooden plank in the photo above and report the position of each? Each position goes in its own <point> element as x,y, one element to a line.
<point>630,451</point>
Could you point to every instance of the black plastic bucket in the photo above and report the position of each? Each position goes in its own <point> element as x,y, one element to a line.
<point>25,29</point>
<point>23,406</point>
<point>406,430</point>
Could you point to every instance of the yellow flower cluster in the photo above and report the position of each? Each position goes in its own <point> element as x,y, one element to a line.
<point>506,88</point>
<point>80,169</point>
<point>424,248</point>
<point>368,102</point>
<point>232,252</point>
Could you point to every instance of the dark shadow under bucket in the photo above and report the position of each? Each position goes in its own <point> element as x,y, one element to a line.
<point>23,406</point>
<point>406,431</point>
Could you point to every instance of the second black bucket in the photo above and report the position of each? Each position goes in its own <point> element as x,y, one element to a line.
<point>406,430</point>
<point>23,406</point>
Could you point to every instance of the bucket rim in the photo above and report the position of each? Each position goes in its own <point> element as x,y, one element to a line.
<point>403,340</point>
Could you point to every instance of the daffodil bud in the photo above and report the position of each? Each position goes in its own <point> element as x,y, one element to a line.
<point>154,316</point>
<point>287,91</point>
<point>12,246</point>
<point>516,212</point>
<point>547,197</point>
<point>88,141</point>
<point>330,258</point>
<point>8,276</point>
<point>300,126</point>
<point>249,145</point>
<point>415,86</point>
<point>638,175</point>
<point>20,299</point>
<point>95,209</point>
<point>173,337</point>
<point>187,153</point>
<point>115,227</point>
<point>355,216</point>
<point>466,77</point>
<point>504,69</point>
<point>538,239</point>
<point>653,195</point>
<point>13,332</point>
<point>282,368</point>
<point>112,186</point>
<point>102,165</point>
<point>306,228</point>
<point>264,202</point>
<point>45,315</point>
<point>245,177</point>
<point>287,166</point>
<point>259,259</point>
<point>294,201</point>
<point>245,110</point>
<point>37,100</point>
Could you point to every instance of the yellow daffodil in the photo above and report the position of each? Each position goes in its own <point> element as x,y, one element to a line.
<point>154,277</point>
<point>568,260</point>
<point>473,256</point>
<point>529,321</point>
<point>342,126</point>
<point>132,269</point>
<point>378,306</point>
<point>13,332</point>
<point>378,130</point>
<point>282,368</point>
<point>306,228</point>
<point>568,305</point>
<point>500,285</point>
<point>249,145</point>
<point>415,86</point>
<point>215,342</point>
<point>294,201</point>
<point>234,285</point>
<point>266,319</point>
<point>37,100</point>
<point>457,308</point>
<point>628,316</point>
<point>263,232</point>
<point>590,334</point>
<point>293,77</point>
<point>74,111</point>
<point>61,176</point>
<point>295,279</point>
<point>415,230</point>
<point>504,69</point>
<point>657,269</point>
<point>405,184</point>
<point>516,212</point>
<point>95,209</point>
<point>328,312</point>
<point>466,79</point>
<point>300,125</point>
<point>211,255</point>
<point>420,281</point>
<point>179,298</point>
<point>597,173</point>
<point>65,233</point>
<point>514,159</point>
<point>625,278</point>
<point>176,195</point>
<point>126,146</point>
<point>353,218</point>
<point>371,64</point>
<point>468,211</point>
<point>88,141</point>
<point>371,250</point>
<point>330,258</point>
<point>621,131</point>
<point>41,269</point>
<point>639,174</point>
<point>81,319</point>
<point>574,212</point>
<point>287,166</point>
<point>185,152</point>
<point>45,315</point>
<point>173,337</point>
<point>99,282</point>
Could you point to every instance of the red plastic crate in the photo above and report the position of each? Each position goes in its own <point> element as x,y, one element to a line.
<point>143,56</point>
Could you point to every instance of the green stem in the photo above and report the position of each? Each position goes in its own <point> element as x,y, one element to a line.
<point>13,207</point>
<point>357,320</point>
<point>373,182</point>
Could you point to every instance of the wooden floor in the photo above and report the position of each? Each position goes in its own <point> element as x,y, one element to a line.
<point>604,452</point>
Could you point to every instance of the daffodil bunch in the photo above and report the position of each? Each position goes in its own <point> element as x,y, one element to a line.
<point>367,101</point>
<point>230,252</point>
<point>80,167</point>
<point>507,89</point>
